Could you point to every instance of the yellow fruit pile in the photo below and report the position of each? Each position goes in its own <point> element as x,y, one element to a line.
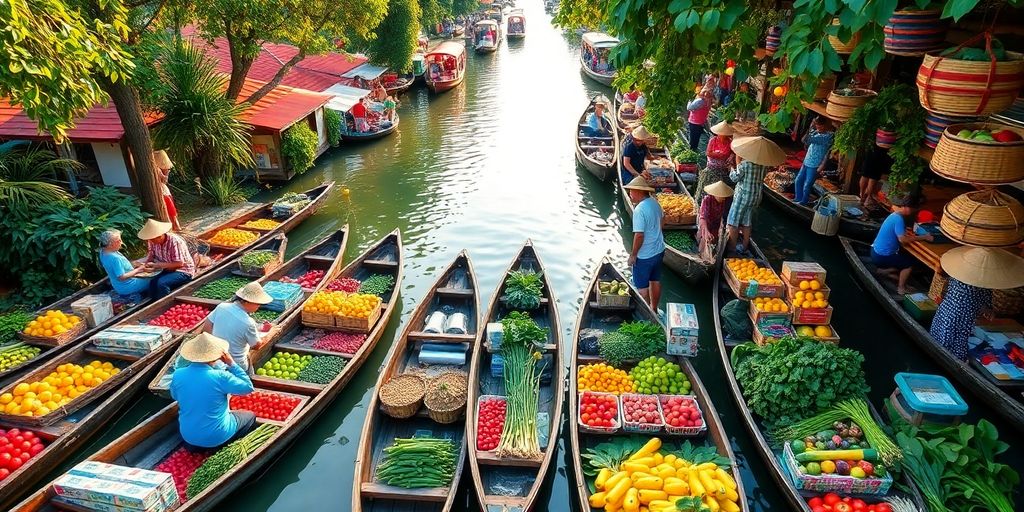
<point>58,388</point>
<point>812,285</point>
<point>746,269</point>
<point>773,305</point>
<point>52,323</point>
<point>604,378</point>
<point>814,331</point>
<point>324,302</point>
<point>359,305</point>
<point>650,480</point>
<point>261,224</point>
<point>232,237</point>
<point>676,205</point>
<point>809,299</point>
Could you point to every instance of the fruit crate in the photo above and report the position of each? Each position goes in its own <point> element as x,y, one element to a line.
<point>358,324</point>
<point>834,339</point>
<point>260,271</point>
<point>319,320</point>
<point>833,483</point>
<point>55,341</point>
<point>795,271</point>
<point>742,289</point>
<point>291,416</point>
<point>597,430</point>
<point>791,290</point>
<point>758,317</point>
<point>683,431</point>
<point>630,426</point>
<point>812,316</point>
<point>775,332</point>
<point>611,301</point>
<point>476,415</point>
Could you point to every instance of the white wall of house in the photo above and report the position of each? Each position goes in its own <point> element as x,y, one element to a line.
<point>321,127</point>
<point>110,161</point>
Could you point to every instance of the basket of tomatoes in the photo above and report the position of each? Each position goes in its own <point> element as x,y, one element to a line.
<point>490,421</point>
<point>599,413</point>
<point>274,407</point>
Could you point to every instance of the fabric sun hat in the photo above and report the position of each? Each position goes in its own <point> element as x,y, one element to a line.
<point>994,269</point>
<point>162,160</point>
<point>254,293</point>
<point>639,183</point>
<point>723,128</point>
<point>153,229</point>
<point>759,150</point>
<point>203,348</point>
<point>641,133</point>
<point>719,189</point>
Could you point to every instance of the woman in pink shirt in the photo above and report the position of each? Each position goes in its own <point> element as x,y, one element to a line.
<point>699,109</point>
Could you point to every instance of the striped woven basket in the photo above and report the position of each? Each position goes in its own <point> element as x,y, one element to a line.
<point>914,32</point>
<point>976,161</point>
<point>841,107</point>
<point>937,290</point>
<point>970,88</point>
<point>935,124</point>
<point>984,218</point>
<point>843,47</point>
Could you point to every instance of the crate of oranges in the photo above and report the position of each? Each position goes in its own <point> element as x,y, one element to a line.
<point>53,328</point>
<point>50,393</point>
<point>319,310</point>
<point>809,299</point>
<point>232,238</point>
<point>358,312</point>
<point>769,310</point>
<point>749,278</point>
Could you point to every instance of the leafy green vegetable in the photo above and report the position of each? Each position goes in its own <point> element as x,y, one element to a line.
<point>523,289</point>
<point>633,341</point>
<point>377,284</point>
<point>12,323</point>
<point>519,436</point>
<point>691,504</point>
<point>681,153</point>
<point>796,377</point>
<point>681,240</point>
<point>520,330</point>
<point>855,409</point>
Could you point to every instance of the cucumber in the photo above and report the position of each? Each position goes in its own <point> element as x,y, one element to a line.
<point>867,454</point>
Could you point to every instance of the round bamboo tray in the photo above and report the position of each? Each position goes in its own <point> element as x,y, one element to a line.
<point>441,414</point>
<point>979,162</point>
<point>1008,303</point>
<point>984,218</point>
<point>969,88</point>
<point>841,46</point>
<point>404,410</point>
<point>825,87</point>
<point>914,32</point>
<point>842,107</point>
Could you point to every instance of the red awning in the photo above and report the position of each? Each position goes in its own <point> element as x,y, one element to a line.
<point>282,106</point>
<point>100,124</point>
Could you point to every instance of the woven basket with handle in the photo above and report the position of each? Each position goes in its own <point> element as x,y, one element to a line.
<point>843,46</point>
<point>984,218</point>
<point>842,107</point>
<point>970,88</point>
<point>976,161</point>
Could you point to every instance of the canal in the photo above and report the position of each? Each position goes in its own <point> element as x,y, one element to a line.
<point>483,167</point>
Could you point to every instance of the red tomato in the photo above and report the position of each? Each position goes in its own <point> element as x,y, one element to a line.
<point>15,463</point>
<point>858,504</point>
<point>883,507</point>
<point>4,473</point>
<point>819,508</point>
<point>36,448</point>
<point>842,506</point>
<point>832,498</point>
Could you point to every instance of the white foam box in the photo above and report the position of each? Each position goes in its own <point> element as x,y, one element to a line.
<point>104,507</point>
<point>95,309</point>
<point>120,494</point>
<point>683,329</point>
<point>163,482</point>
<point>495,334</point>
<point>165,333</point>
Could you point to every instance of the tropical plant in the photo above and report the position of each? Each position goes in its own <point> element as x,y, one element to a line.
<point>395,39</point>
<point>26,172</point>
<point>224,190</point>
<point>199,123</point>
<point>332,120</point>
<point>298,147</point>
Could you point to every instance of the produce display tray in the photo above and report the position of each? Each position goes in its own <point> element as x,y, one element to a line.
<point>476,416</point>
<point>319,320</point>
<point>833,483</point>
<point>303,400</point>
<point>55,341</point>
<point>758,317</point>
<point>825,339</point>
<point>358,324</point>
<point>812,316</point>
<point>683,431</point>
<point>741,288</point>
<point>642,428</point>
<point>597,430</point>
<point>611,301</point>
<point>791,290</point>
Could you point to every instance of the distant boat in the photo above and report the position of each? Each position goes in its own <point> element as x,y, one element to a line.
<point>487,44</point>
<point>516,25</point>
<point>448,61</point>
<point>601,44</point>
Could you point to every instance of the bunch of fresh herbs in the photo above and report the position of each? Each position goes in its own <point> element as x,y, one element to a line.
<point>632,341</point>
<point>523,289</point>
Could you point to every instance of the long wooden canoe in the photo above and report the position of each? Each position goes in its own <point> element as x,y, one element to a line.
<point>796,498</point>
<point>218,255</point>
<point>587,147</point>
<point>1006,400</point>
<point>455,291</point>
<point>488,469</point>
<point>608,318</point>
<point>150,442</point>
<point>687,264</point>
<point>856,228</point>
<point>368,136</point>
<point>326,255</point>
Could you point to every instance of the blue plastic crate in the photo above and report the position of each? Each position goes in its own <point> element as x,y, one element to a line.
<point>930,395</point>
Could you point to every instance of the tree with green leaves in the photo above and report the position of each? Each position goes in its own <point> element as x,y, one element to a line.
<point>27,173</point>
<point>395,39</point>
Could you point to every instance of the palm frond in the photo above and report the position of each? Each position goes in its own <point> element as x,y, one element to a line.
<point>20,195</point>
<point>33,163</point>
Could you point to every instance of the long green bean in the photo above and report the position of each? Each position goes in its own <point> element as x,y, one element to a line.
<point>226,458</point>
<point>419,462</point>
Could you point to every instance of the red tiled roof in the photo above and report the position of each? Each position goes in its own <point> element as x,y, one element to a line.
<point>100,124</point>
<point>282,106</point>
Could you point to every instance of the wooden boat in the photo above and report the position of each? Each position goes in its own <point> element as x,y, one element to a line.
<point>516,19</point>
<point>688,264</point>
<point>483,27</point>
<point>401,84</point>
<point>150,442</point>
<point>600,42</point>
<point>367,136</point>
<point>447,53</point>
<point>492,473</point>
<point>1007,400</point>
<point>455,288</point>
<point>218,255</point>
<point>588,147</point>
<point>594,316</point>
<point>864,230</point>
<point>625,121</point>
<point>326,255</point>
<point>796,498</point>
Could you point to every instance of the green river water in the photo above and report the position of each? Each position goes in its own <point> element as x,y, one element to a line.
<point>484,167</point>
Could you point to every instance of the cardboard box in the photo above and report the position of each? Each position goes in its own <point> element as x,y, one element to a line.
<point>751,289</point>
<point>771,333</point>
<point>163,482</point>
<point>812,316</point>
<point>828,339</point>
<point>795,271</point>
<point>135,339</point>
<point>791,290</point>
<point>100,507</point>
<point>95,309</point>
<point>683,329</point>
<point>120,494</point>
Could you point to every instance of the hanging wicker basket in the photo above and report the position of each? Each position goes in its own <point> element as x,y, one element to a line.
<point>914,32</point>
<point>970,88</point>
<point>841,46</point>
<point>935,124</point>
<point>977,161</point>
<point>937,290</point>
<point>825,87</point>
<point>841,106</point>
<point>885,138</point>
<point>984,218</point>
<point>773,41</point>
<point>1008,303</point>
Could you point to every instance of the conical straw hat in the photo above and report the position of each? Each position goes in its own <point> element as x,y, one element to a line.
<point>162,160</point>
<point>984,267</point>
<point>203,348</point>
<point>759,150</point>
<point>719,189</point>
<point>639,183</point>
<point>641,133</point>
<point>254,293</point>
<point>723,128</point>
<point>153,229</point>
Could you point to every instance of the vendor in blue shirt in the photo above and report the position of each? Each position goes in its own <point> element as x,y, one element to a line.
<point>635,154</point>
<point>202,389</point>
<point>597,124</point>
<point>886,252</point>
<point>648,241</point>
<point>120,271</point>
<point>231,321</point>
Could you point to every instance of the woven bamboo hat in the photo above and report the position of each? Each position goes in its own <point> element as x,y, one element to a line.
<point>723,128</point>
<point>254,293</point>
<point>162,160</point>
<point>203,348</point>
<point>153,229</point>
<point>639,183</point>
<point>719,189</point>
<point>984,267</point>
<point>641,133</point>
<point>759,150</point>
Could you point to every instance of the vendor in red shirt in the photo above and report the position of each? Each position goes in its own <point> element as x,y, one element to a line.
<point>359,115</point>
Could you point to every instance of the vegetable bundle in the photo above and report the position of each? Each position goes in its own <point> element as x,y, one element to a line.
<point>221,289</point>
<point>522,385</point>
<point>855,409</point>
<point>227,458</point>
<point>523,289</point>
<point>12,323</point>
<point>633,341</point>
<point>419,462</point>
<point>377,284</point>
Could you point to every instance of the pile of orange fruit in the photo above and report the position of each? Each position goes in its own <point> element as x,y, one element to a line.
<point>809,299</point>
<point>52,323</point>
<point>773,305</point>
<point>326,302</point>
<point>232,237</point>
<point>58,388</point>
<point>359,305</point>
<point>265,224</point>
<point>604,378</point>
<point>746,269</point>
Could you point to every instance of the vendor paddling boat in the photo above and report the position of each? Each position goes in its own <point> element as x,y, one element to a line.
<point>445,66</point>
<point>493,468</point>
<point>150,443</point>
<point>431,357</point>
<point>600,313</point>
<point>597,154</point>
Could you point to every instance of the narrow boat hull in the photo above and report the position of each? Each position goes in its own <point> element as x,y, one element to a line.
<point>857,229</point>
<point>600,78</point>
<point>440,86</point>
<point>601,170</point>
<point>363,137</point>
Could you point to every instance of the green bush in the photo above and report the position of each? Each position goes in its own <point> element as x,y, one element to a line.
<point>298,147</point>
<point>224,190</point>
<point>332,118</point>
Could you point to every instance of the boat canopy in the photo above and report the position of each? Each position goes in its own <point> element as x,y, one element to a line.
<point>516,17</point>
<point>344,97</point>
<point>366,71</point>
<point>448,48</point>
<point>486,23</point>
<point>600,40</point>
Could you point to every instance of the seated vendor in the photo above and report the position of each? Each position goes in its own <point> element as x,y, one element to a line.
<point>202,390</point>
<point>168,253</point>
<point>120,271</point>
<point>231,322</point>
<point>886,252</point>
<point>597,124</point>
<point>634,155</point>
